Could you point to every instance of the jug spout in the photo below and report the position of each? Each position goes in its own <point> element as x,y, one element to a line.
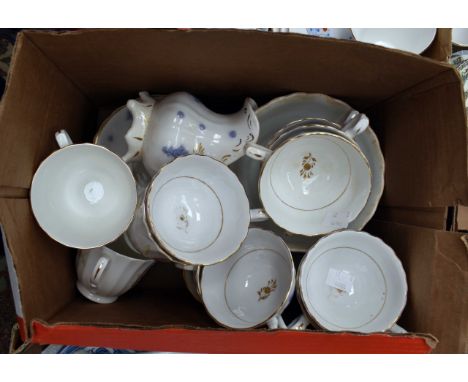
<point>141,112</point>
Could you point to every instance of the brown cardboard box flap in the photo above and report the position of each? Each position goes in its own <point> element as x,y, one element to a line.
<point>441,47</point>
<point>424,217</point>
<point>423,133</point>
<point>436,264</point>
<point>39,99</point>
<point>44,268</point>
<point>462,218</point>
<point>252,62</point>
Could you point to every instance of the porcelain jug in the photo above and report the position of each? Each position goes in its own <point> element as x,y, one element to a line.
<point>180,125</point>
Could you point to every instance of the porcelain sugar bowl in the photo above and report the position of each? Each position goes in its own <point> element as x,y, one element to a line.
<point>180,125</point>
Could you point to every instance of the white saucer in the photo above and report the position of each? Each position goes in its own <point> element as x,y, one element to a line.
<point>281,111</point>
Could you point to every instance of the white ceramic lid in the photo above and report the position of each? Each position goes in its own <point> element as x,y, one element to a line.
<point>352,281</point>
<point>83,196</point>
<point>197,210</point>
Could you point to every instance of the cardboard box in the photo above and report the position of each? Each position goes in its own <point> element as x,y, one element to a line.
<point>71,80</point>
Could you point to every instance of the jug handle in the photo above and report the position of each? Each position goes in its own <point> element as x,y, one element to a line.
<point>141,112</point>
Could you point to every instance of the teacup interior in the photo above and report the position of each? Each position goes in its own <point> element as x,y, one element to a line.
<point>198,210</point>
<point>252,285</point>
<point>323,174</point>
<point>353,281</point>
<point>83,196</point>
<point>205,210</point>
<point>311,177</point>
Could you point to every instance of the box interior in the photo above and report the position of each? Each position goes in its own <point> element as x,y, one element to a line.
<point>74,80</point>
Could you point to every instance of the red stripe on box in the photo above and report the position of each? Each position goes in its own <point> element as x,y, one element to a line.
<point>226,341</point>
<point>21,328</point>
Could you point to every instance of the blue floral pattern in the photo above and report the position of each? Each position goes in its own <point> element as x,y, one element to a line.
<point>174,152</point>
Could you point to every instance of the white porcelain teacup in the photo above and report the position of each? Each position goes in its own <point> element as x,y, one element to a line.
<point>180,124</point>
<point>83,195</point>
<point>313,183</point>
<point>351,281</point>
<point>194,211</point>
<point>104,274</point>
<point>254,286</point>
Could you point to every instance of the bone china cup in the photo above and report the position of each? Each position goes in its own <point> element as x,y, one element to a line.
<point>313,183</point>
<point>83,195</point>
<point>252,287</point>
<point>351,281</point>
<point>105,274</point>
<point>195,211</point>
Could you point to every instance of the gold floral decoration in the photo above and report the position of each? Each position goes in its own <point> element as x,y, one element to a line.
<point>265,291</point>
<point>308,163</point>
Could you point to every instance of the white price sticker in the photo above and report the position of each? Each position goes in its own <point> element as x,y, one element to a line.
<point>342,280</point>
<point>337,220</point>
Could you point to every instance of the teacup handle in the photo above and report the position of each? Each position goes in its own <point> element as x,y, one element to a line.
<point>354,124</point>
<point>98,271</point>
<point>276,322</point>
<point>397,329</point>
<point>300,323</point>
<point>258,215</point>
<point>63,139</point>
<point>257,152</point>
